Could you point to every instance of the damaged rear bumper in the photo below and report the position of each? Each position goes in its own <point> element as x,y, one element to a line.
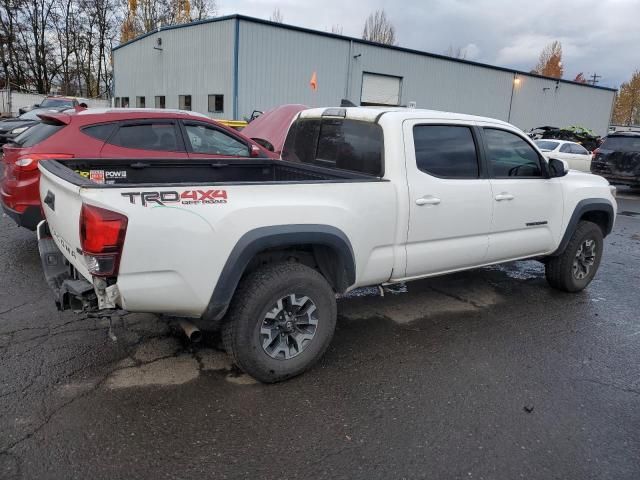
<point>71,291</point>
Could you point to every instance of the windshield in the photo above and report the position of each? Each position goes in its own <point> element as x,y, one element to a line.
<point>621,144</point>
<point>56,102</point>
<point>546,145</point>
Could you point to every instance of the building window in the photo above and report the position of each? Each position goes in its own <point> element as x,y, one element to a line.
<point>125,102</point>
<point>117,102</point>
<point>216,103</point>
<point>160,102</point>
<point>184,102</point>
<point>140,102</point>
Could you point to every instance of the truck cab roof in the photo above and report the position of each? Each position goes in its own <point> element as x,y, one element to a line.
<point>373,114</point>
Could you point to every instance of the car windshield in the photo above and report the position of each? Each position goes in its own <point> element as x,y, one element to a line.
<point>621,144</point>
<point>546,145</point>
<point>56,102</point>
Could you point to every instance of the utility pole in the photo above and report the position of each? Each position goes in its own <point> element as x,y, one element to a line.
<point>595,78</point>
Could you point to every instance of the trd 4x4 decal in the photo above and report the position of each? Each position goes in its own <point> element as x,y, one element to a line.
<point>188,197</point>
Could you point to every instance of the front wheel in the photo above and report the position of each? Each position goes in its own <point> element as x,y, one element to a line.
<point>280,322</point>
<point>574,268</point>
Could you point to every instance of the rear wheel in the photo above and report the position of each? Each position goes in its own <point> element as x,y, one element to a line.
<point>280,321</point>
<point>574,268</point>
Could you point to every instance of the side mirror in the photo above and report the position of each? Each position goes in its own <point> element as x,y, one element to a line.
<point>264,143</point>
<point>558,168</point>
<point>255,151</point>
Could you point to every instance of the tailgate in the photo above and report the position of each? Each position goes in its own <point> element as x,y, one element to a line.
<point>61,204</point>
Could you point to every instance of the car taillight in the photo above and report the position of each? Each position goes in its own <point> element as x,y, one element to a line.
<point>30,162</point>
<point>102,235</point>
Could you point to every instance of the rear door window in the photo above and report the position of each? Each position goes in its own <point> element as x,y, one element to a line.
<point>336,143</point>
<point>578,149</point>
<point>446,151</point>
<point>159,136</point>
<point>206,139</point>
<point>38,133</point>
<point>100,132</point>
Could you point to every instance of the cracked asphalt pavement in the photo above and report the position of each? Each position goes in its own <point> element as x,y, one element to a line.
<point>485,374</point>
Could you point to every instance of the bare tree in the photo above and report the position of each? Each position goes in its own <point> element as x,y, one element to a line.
<point>379,29</point>
<point>201,9</point>
<point>337,29</point>
<point>276,16</point>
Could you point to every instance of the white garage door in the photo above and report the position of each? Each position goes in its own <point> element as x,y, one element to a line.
<point>380,89</point>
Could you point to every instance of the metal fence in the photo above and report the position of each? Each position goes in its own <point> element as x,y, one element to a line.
<point>11,102</point>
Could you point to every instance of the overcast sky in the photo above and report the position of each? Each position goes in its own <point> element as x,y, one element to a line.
<point>601,36</point>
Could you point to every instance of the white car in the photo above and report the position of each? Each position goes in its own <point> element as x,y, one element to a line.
<point>578,157</point>
<point>361,197</point>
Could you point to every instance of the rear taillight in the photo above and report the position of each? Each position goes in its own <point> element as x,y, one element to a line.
<point>26,163</point>
<point>102,238</point>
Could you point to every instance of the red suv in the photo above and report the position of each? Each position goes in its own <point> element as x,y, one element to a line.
<point>111,133</point>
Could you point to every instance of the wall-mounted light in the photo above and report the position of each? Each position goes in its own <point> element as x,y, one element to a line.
<point>516,81</point>
<point>158,45</point>
<point>357,56</point>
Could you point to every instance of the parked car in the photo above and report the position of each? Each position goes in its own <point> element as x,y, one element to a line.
<point>109,133</point>
<point>578,157</point>
<point>618,159</point>
<point>270,129</point>
<point>362,196</point>
<point>12,127</point>
<point>54,102</point>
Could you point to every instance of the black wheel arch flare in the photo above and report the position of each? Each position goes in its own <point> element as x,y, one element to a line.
<point>585,207</point>
<point>329,243</point>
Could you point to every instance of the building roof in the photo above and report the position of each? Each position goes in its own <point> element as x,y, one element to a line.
<point>356,40</point>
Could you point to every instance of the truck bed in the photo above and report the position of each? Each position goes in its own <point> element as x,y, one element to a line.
<point>105,173</point>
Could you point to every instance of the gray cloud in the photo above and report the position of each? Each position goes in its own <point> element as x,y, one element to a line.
<point>597,36</point>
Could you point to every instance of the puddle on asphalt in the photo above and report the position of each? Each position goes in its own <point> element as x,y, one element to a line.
<point>164,372</point>
<point>525,270</point>
<point>161,362</point>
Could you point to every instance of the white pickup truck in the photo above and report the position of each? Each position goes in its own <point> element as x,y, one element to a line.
<point>362,196</point>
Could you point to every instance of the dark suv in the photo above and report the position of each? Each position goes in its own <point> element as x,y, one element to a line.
<point>618,159</point>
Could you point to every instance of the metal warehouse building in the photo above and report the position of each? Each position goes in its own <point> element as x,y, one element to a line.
<point>230,66</point>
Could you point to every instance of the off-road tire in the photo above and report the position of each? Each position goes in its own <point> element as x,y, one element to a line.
<point>253,299</point>
<point>559,270</point>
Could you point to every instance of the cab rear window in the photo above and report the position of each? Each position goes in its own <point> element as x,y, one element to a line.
<point>336,143</point>
<point>38,133</point>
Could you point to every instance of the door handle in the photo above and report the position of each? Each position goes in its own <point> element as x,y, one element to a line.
<point>504,196</point>
<point>427,200</point>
